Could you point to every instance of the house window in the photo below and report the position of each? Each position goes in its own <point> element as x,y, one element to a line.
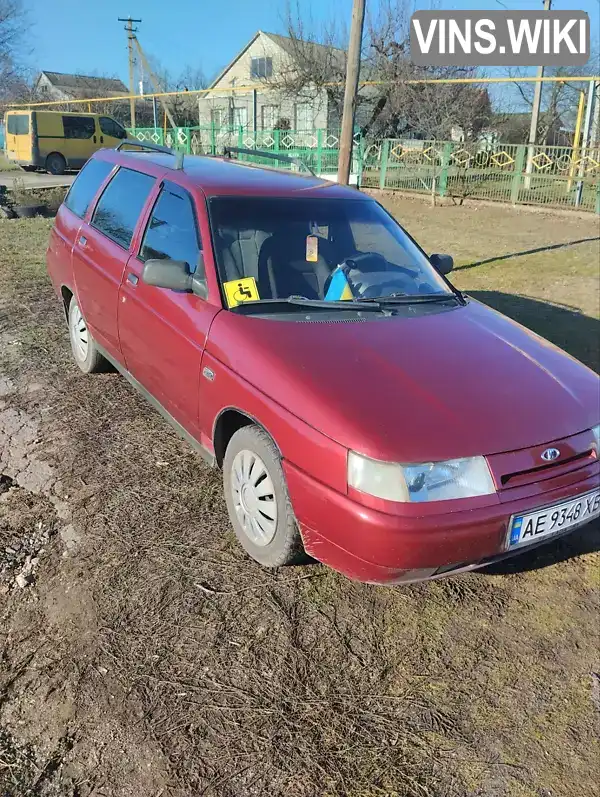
<point>304,116</point>
<point>239,117</point>
<point>43,89</point>
<point>261,67</point>
<point>268,117</point>
<point>217,118</point>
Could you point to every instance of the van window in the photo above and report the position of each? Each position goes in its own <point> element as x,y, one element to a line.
<point>172,231</point>
<point>79,126</point>
<point>112,128</point>
<point>86,186</point>
<point>120,205</point>
<point>18,124</point>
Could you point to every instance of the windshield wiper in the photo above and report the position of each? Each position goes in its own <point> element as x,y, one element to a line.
<point>370,305</point>
<point>413,298</point>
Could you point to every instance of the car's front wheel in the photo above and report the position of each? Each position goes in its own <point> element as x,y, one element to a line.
<point>257,499</point>
<point>83,346</point>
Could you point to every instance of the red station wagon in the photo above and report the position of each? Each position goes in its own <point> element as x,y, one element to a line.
<point>362,409</point>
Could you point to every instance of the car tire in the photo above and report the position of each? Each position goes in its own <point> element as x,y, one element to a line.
<point>83,346</point>
<point>55,163</point>
<point>253,476</point>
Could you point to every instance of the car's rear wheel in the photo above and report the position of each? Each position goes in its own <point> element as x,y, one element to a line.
<point>55,163</point>
<point>83,346</point>
<point>258,501</point>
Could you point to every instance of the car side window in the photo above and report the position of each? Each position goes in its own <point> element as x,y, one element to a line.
<point>79,126</point>
<point>111,128</point>
<point>172,230</point>
<point>120,205</point>
<point>86,185</point>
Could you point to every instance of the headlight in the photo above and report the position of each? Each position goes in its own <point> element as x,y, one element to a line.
<point>430,481</point>
<point>596,432</point>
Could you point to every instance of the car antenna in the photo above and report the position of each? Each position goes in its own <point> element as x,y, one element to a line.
<point>179,160</point>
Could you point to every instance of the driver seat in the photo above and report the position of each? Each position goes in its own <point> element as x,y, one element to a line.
<point>283,269</point>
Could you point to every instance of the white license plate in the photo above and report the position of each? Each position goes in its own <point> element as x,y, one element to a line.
<point>534,526</point>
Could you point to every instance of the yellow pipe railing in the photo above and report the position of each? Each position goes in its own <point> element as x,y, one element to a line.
<point>416,81</point>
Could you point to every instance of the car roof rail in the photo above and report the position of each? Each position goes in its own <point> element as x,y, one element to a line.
<point>134,142</point>
<point>260,153</point>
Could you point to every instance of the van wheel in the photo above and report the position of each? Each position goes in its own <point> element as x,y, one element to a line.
<point>55,163</point>
<point>258,501</point>
<point>83,346</point>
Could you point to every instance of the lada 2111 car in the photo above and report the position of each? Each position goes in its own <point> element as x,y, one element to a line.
<point>362,409</point>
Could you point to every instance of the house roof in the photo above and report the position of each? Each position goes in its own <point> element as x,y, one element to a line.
<point>285,42</point>
<point>78,83</point>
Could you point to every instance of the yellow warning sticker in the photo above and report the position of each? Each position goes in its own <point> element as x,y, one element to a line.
<point>241,290</point>
<point>312,248</point>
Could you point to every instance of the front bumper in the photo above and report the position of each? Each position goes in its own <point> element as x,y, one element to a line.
<point>376,547</point>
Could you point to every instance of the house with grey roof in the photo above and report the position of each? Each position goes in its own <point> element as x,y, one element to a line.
<point>62,86</point>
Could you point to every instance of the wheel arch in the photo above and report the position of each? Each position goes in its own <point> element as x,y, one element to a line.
<point>227,423</point>
<point>66,295</point>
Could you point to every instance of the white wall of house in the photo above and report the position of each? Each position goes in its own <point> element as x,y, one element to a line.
<point>44,88</point>
<point>268,108</point>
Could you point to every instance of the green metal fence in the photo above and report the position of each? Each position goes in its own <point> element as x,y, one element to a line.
<point>515,173</point>
<point>318,149</point>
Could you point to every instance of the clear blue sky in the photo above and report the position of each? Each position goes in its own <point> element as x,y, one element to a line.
<point>85,37</point>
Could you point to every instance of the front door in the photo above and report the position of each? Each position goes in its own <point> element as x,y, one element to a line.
<point>163,332</point>
<point>110,132</point>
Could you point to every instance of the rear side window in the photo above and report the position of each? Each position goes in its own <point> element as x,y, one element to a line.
<point>112,128</point>
<point>172,231</point>
<point>120,205</point>
<point>18,124</point>
<point>79,126</point>
<point>85,187</point>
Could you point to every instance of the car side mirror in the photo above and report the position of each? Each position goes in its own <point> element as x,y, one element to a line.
<point>175,276</point>
<point>442,263</point>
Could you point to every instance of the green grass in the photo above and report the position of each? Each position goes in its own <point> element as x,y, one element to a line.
<point>5,164</point>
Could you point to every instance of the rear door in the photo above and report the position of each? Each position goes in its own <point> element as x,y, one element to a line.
<point>81,139</point>
<point>69,219</point>
<point>18,137</point>
<point>101,252</point>
<point>163,332</point>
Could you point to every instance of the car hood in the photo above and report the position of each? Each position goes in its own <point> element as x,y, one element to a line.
<point>460,382</point>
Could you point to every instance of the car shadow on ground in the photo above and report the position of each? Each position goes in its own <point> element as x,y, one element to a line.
<point>579,542</point>
<point>576,333</point>
<point>550,247</point>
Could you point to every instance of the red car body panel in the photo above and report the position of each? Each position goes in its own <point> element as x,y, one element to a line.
<point>464,381</point>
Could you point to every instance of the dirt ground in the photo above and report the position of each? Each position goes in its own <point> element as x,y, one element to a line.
<point>143,655</point>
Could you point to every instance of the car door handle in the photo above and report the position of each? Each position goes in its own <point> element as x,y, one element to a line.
<point>82,240</point>
<point>133,278</point>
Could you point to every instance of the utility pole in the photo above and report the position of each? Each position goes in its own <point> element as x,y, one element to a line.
<point>535,112</point>
<point>130,38</point>
<point>352,74</point>
<point>586,137</point>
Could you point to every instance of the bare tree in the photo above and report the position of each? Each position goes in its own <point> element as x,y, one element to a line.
<point>315,69</point>
<point>191,78</point>
<point>559,100</point>
<point>13,25</point>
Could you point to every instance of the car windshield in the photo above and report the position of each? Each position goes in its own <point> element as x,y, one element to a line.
<point>332,250</point>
